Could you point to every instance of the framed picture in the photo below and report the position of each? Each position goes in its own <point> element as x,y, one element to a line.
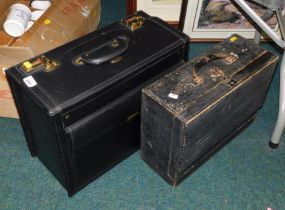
<point>214,20</point>
<point>168,10</point>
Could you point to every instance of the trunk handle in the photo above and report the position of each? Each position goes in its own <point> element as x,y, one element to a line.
<point>106,52</point>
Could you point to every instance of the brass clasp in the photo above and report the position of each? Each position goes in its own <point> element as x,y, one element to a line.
<point>134,22</point>
<point>41,62</point>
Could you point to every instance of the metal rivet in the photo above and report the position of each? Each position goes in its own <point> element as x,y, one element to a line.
<point>232,82</point>
<point>116,59</point>
<point>78,61</point>
<point>115,43</point>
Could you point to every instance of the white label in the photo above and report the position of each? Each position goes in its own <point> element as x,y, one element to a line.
<point>4,69</point>
<point>30,81</point>
<point>172,95</point>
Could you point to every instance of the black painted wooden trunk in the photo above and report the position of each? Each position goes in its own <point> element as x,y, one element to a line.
<point>190,113</point>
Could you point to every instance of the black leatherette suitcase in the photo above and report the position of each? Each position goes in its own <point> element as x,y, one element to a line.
<point>193,111</point>
<point>79,104</point>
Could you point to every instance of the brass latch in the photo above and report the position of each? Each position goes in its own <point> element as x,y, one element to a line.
<point>134,22</point>
<point>41,62</point>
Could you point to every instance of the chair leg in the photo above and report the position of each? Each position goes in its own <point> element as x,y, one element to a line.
<point>280,124</point>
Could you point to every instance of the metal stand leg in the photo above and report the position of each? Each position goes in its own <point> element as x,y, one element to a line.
<point>265,17</point>
<point>277,6</point>
<point>280,124</point>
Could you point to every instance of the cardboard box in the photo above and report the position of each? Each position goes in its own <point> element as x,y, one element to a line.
<point>64,21</point>
<point>5,4</point>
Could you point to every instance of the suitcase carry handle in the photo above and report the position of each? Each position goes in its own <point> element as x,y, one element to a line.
<point>106,52</point>
<point>202,60</point>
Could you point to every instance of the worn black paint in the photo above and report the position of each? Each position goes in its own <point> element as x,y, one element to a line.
<point>215,98</point>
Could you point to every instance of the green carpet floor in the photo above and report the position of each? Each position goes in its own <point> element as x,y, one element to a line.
<point>246,174</point>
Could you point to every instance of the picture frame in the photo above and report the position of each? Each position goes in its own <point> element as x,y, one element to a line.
<point>215,20</point>
<point>168,10</point>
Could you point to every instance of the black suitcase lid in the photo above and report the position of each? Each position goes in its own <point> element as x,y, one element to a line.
<point>201,82</point>
<point>123,49</point>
